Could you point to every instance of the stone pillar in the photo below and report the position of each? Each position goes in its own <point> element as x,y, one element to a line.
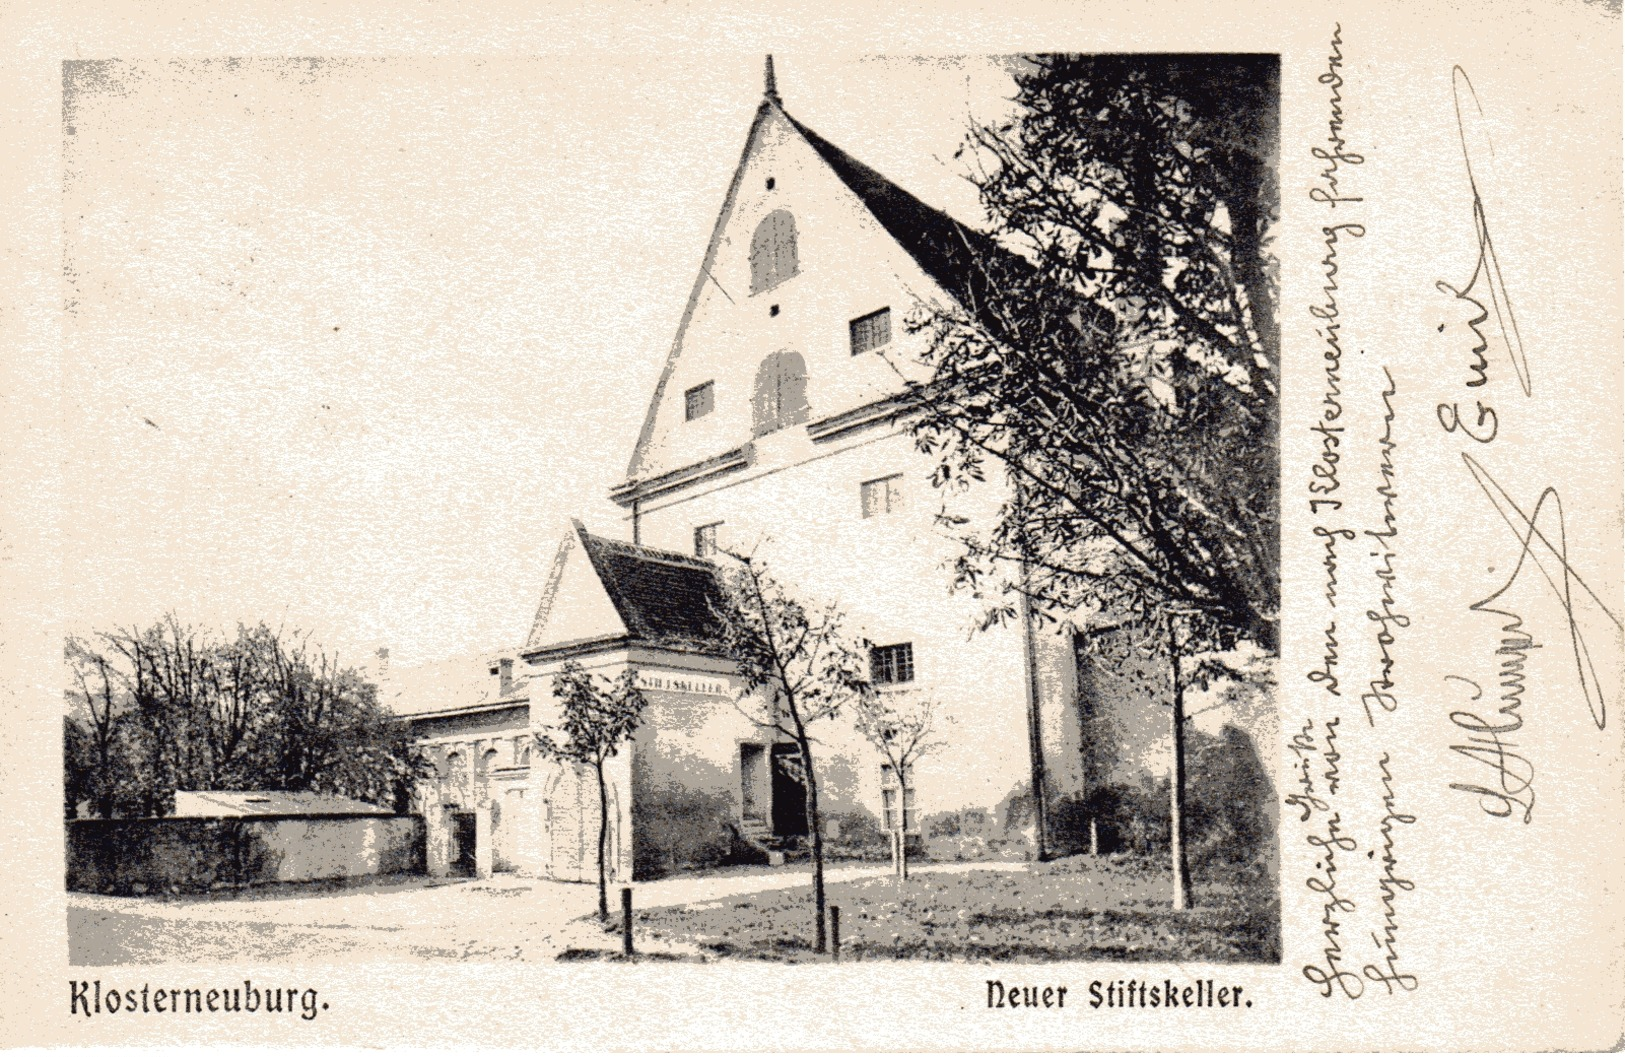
<point>482,840</point>
<point>437,840</point>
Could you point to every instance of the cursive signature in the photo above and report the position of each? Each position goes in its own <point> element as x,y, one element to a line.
<point>1389,973</point>
<point>1547,551</point>
<point>1485,290</point>
<point>1486,744</point>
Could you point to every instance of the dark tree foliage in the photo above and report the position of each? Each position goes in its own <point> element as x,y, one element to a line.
<point>599,716</point>
<point>171,707</point>
<point>1117,353</point>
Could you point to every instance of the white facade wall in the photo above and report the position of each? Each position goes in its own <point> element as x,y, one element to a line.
<point>886,572</point>
<point>794,502</point>
<point>797,503</point>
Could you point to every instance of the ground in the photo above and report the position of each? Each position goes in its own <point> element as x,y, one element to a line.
<point>1079,909</point>
<point>1076,909</point>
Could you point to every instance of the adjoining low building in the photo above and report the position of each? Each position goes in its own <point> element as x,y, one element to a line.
<point>227,839</point>
<point>222,804</point>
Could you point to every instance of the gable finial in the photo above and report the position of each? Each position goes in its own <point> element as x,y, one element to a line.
<point>770,86</point>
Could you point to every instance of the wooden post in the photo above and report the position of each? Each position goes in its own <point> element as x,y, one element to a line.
<point>626,922</point>
<point>835,933</point>
<point>1176,807</point>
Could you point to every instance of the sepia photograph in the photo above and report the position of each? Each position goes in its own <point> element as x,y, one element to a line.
<point>809,510</point>
<point>812,528</point>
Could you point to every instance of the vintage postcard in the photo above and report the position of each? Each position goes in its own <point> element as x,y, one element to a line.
<point>833,527</point>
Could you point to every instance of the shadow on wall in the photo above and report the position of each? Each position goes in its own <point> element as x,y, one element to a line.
<point>1230,807</point>
<point>675,829</point>
<point>1124,687</point>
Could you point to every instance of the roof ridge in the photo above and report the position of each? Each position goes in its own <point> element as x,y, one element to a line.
<point>652,553</point>
<point>823,145</point>
<point>662,597</point>
<point>952,253</point>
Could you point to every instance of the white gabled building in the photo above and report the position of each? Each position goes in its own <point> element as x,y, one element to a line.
<point>775,428</point>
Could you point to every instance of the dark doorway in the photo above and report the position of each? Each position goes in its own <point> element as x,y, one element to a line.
<point>753,782</point>
<point>789,793</point>
<point>462,842</point>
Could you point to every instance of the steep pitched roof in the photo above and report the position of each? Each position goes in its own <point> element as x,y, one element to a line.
<point>944,248</point>
<point>665,599</point>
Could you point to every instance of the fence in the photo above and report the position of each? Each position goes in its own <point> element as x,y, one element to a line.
<point>132,856</point>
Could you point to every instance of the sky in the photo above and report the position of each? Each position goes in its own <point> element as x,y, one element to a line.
<point>348,342</point>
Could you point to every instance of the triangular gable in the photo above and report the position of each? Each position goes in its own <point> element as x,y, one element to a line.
<point>646,434</point>
<point>945,250</point>
<point>575,605</point>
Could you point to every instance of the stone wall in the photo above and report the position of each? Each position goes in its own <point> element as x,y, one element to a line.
<point>133,856</point>
<point>1125,697</point>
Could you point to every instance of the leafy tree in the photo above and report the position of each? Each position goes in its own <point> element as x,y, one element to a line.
<point>1117,354</point>
<point>599,717</point>
<point>799,668</point>
<point>80,768</point>
<point>331,735</point>
<point>900,725</point>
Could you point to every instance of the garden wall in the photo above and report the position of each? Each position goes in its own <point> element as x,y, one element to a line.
<point>133,856</point>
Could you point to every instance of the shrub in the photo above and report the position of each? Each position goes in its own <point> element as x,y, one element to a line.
<point>679,829</point>
<point>860,837</point>
<point>1230,810</point>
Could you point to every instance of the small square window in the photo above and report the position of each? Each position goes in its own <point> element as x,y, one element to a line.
<point>871,331</point>
<point>890,665</point>
<point>772,310</point>
<point>882,496</point>
<point>699,401</point>
<point>705,540</point>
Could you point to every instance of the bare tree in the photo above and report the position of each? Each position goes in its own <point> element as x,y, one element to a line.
<point>900,725</point>
<point>171,707</point>
<point>798,668</point>
<point>94,688</point>
<point>599,717</point>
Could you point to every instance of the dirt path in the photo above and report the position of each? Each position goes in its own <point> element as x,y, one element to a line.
<point>703,888</point>
<point>416,919</point>
<point>502,919</point>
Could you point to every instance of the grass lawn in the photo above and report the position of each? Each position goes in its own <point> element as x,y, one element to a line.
<point>1073,909</point>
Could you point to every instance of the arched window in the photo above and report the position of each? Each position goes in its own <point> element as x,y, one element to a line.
<point>453,786</point>
<point>780,398</point>
<point>773,251</point>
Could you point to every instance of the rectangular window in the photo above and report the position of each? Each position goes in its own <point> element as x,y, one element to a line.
<point>698,401</point>
<point>705,540</point>
<point>889,665</point>
<point>882,496</point>
<point>871,331</point>
<point>891,793</point>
